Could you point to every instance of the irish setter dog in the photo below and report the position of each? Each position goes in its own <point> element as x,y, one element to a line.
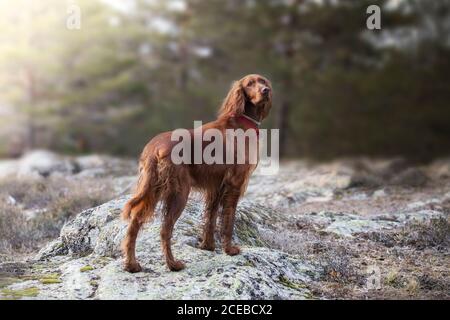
<point>247,103</point>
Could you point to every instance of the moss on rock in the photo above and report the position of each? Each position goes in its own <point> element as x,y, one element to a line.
<point>86,268</point>
<point>20,293</point>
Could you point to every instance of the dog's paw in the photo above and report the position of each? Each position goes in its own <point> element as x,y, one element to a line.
<point>176,265</point>
<point>132,267</point>
<point>207,246</point>
<point>232,250</point>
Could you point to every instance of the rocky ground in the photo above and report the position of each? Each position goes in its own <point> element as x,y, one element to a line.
<point>349,229</point>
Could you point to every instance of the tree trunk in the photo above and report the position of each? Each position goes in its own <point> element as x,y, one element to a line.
<point>30,88</point>
<point>283,125</point>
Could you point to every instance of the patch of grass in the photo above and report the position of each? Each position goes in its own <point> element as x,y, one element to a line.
<point>299,238</point>
<point>247,233</point>
<point>86,268</point>
<point>393,279</point>
<point>412,286</point>
<point>39,276</point>
<point>6,281</point>
<point>93,283</point>
<point>50,278</point>
<point>384,237</point>
<point>419,235</point>
<point>439,283</point>
<point>12,233</point>
<point>433,233</point>
<point>337,267</point>
<point>50,281</point>
<point>17,294</point>
<point>249,264</point>
<point>34,211</point>
<point>288,283</point>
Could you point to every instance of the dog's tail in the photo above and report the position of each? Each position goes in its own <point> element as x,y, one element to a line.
<point>142,204</point>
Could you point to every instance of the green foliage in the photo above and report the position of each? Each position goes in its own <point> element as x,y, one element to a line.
<point>86,268</point>
<point>119,80</point>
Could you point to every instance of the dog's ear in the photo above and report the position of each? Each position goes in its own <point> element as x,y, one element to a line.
<point>234,103</point>
<point>267,106</point>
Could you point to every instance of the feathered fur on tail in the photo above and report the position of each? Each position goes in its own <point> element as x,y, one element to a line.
<point>142,204</point>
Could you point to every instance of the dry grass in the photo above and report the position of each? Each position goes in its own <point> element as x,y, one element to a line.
<point>334,260</point>
<point>337,266</point>
<point>412,260</point>
<point>33,211</point>
<point>434,233</point>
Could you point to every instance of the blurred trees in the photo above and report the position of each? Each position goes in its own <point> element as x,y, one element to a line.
<point>27,68</point>
<point>65,85</point>
<point>142,67</point>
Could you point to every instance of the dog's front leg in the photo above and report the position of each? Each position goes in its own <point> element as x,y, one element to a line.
<point>230,202</point>
<point>210,217</point>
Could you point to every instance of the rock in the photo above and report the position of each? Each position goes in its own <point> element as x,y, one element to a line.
<point>93,161</point>
<point>360,196</point>
<point>422,204</point>
<point>411,177</point>
<point>52,249</point>
<point>440,169</point>
<point>397,171</point>
<point>124,185</point>
<point>392,167</point>
<point>352,225</point>
<point>364,180</point>
<point>379,193</point>
<point>446,197</point>
<point>42,163</point>
<point>349,224</point>
<point>8,168</point>
<point>93,166</point>
<point>31,214</point>
<point>86,259</point>
<point>11,200</point>
<point>286,189</point>
<point>92,173</point>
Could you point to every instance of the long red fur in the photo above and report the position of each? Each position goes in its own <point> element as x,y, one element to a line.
<point>221,184</point>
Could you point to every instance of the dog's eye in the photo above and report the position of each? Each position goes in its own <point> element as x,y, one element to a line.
<point>250,83</point>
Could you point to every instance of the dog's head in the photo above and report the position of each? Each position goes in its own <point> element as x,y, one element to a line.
<point>251,95</point>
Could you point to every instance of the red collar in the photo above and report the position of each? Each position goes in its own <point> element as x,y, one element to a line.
<point>247,123</point>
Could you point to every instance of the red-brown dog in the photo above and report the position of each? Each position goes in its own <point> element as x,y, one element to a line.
<point>247,103</point>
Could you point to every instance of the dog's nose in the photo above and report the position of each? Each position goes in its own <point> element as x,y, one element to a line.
<point>265,91</point>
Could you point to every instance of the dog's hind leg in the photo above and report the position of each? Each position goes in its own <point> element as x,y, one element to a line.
<point>139,209</point>
<point>129,246</point>
<point>175,205</point>
<point>175,201</point>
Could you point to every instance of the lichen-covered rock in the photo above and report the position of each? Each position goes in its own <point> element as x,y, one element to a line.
<point>350,224</point>
<point>100,230</point>
<point>37,164</point>
<point>296,183</point>
<point>43,163</point>
<point>93,166</point>
<point>87,260</point>
<point>313,211</point>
